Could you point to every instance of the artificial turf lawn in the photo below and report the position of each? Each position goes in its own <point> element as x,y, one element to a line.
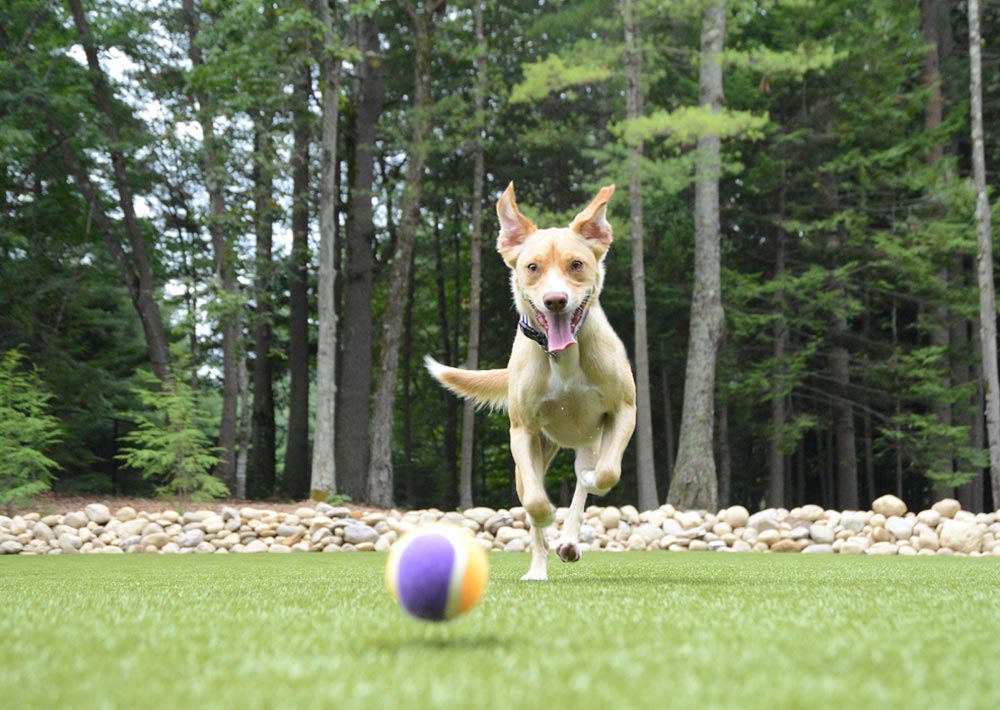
<point>625,630</point>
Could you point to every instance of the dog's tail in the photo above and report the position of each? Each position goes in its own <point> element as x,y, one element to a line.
<point>487,388</point>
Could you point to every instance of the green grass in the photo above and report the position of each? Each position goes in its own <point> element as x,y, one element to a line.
<point>640,630</point>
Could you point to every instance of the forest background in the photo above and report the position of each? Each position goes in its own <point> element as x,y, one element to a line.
<point>230,231</point>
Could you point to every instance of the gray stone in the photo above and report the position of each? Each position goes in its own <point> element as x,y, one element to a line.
<point>900,528</point>
<point>480,515</point>
<point>75,519</point>
<point>360,533</point>
<point>507,533</point>
<point>155,539</point>
<point>763,520</point>
<point>515,545</point>
<point>822,533</point>
<point>192,538</point>
<point>98,513</point>
<point>69,542</point>
<point>11,547</point>
<point>498,521</point>
<point>285,530</point>
<point>43,532</point>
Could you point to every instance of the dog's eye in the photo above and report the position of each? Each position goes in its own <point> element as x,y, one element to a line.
<point>532,268</point>
<point>577,265</point>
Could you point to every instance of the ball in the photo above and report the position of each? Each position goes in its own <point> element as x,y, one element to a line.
<point>437,573</point>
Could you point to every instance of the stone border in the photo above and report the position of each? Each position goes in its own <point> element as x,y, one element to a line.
<point>887,529</point>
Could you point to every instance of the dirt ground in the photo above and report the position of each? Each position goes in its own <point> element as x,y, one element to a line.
<point>60,503</point>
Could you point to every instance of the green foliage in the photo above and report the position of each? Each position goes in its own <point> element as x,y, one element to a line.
<point>169,447</point>
<point>689,123</point>
<point>554,74</point>
<point>27,431</point>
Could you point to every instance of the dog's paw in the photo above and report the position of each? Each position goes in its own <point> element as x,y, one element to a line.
<point>535,576</point>
<point>589,480</point>
<point>568,551</point>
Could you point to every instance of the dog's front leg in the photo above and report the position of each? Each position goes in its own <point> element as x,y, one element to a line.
<point>568,547</point>
<point>618,428</point>
<point>530,459</point>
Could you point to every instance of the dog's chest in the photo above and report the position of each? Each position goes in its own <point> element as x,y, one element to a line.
<point>571,411</point>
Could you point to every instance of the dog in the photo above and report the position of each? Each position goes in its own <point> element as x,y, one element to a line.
<point>568,383</point>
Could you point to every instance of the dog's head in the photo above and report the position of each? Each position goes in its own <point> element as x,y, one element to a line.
<point>556,274</point>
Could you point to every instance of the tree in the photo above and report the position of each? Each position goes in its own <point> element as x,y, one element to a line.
<point>645,470</point>
<point>357,330</point>
<point>295,482</point>
<point>223,248</point>
<point>424,17</point>
<point>323,481</point>
<point>694,481</point>
<point>144,285</point>
<point>475,257</point>
<point>987,295</point>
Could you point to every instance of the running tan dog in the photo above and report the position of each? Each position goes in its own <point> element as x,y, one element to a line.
<point>568,383</point>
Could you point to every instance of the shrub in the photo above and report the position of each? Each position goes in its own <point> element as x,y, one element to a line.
<point>167,446</point>
<point>27,430</point>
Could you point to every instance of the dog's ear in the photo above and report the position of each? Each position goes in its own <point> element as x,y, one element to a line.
<point>592,223</point>
<point>514,226</point>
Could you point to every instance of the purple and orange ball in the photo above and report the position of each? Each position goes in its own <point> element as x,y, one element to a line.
<point>437,573</point>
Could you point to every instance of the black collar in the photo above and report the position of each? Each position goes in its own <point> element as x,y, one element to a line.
<point>536,335</point>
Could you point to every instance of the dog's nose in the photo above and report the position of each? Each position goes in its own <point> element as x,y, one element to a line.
<point>555,301</point>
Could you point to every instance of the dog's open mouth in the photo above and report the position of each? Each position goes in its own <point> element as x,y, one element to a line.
<point>561,328</point>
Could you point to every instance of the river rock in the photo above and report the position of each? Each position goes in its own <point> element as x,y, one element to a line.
<point>735,516</point>
<point>75,519</point>
<point>785,545</point>
<point>497,521</point>
<point>882,549</point>
<point>822,532</point>
<point>360,533</point>
<point>97,513</point>
<point>889,505</point>
<point>947,507</point>
<point>43,532</point>
<point>126,513</point>
<point>810,513</point>
<point>961,537</point>
<point>610,517</point>
<point>900,528</point>
<point>763,520</point>
<point>818,549</point>
<point>191,538</point>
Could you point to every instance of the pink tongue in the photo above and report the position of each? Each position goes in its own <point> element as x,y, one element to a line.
<point>560,332</point>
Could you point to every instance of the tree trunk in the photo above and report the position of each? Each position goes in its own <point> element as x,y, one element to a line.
<point>668,416</point>
<point>725,456</point>
<point>295,481</point>
<point>262,436</point>
<point>475,261</point>
<point>409,485</point>
<point>694,482</point>
<point>380,474</point>
<point>357,330</point>
<point>243,441</point>
<point>987,294</point>
<point>645,468</point>
<point>230,317</point>
<point>323,480</point>
<point>450,403</point>
<point>939,327</point>
<point>776,448</point>
<point>141,281</point>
